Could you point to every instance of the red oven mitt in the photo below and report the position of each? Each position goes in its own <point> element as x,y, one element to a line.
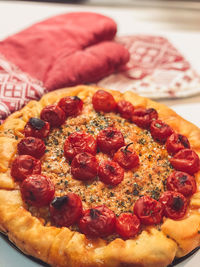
<point>61,51</point>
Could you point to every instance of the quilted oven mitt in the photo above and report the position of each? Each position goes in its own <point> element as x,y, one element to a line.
<point>156,69</point>
<point>61,51</point>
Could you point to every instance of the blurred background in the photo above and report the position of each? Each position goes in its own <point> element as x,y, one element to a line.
<point>180,3</point>
<point>182,14</point>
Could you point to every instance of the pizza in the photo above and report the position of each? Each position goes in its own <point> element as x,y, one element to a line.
<point>93,177</point>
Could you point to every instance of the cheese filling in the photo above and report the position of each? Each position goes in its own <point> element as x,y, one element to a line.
<point>147,179</point>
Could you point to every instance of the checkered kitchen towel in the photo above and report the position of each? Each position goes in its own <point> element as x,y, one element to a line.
<point>156,69</point>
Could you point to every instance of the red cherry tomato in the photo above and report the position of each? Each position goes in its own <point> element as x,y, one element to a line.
<point>71,105</point>
<point>176,142</point>
<point>127,158</point>
<point>66,210</point>
<point>84,166</point>
<point>110,140</point>
<point>79,142</point>
<point>127,225</point>
<point>125,109</point>
<point>31,146</point>
<point>181,182</point>
<point>98,222</point>
<point>37,190</point>
<point>186,160</point>
<point>103,101</point>
<point>37,128</point>
<point>25,165</point>
<point>148,210</point>
<point>54,115</point>
<point>175,204</point>
<point>110,173</point>
<point>160,130</point>
<point>143,117</point>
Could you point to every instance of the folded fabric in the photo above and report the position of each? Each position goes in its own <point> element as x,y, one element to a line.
<point>61,51</point>
<point>156,69</point>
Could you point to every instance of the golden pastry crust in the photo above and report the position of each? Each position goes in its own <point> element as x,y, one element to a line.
<point>63,247</point>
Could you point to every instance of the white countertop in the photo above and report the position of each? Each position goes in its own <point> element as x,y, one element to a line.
<point>181,27</point>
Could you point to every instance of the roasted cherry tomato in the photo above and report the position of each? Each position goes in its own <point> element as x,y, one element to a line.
<point>103,101</point>
<point>160,130</point>
<point>37,128</point>
<point>98,222</point>
<point>181,182</point>
<point>79,142</point>
<point>143,117</point>
<point>110,172</point>
<point>175,204</point>
<point>54,115</point>
<point>25,165</point>
<point>66,210</point>
<point>127,158</point>
<point>84,166</point>
<point>176,142</point>
<point>110,140</point>
<point>125,109</point>
<point>71,105</point>
<point>127,225</point>
<point>37,190</point>
<point>31,146</point>
<point>148,210</point>
<point>186,160</point>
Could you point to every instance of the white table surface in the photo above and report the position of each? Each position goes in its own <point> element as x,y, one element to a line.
<point>179,26</point>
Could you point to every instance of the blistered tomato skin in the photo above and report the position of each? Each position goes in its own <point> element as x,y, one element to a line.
<point>84,166</point>
<point>31,146</point>
<point>110,173</point>
<point>181,182</point>
<point>127,158</point>
<point>103,101</point>
<point>143,117</point>
<point>66,210</point>
<point>25,165</point>
<point>160,131</point>
<point>79,142</point>
<point>98,222</point>
<point>148,210</point>
<point>110,140</point>
<point>37,190</point>
<point>71,105</point>
<point>125,109</point>
<point>54,115</point>
<point>186,160</point>
<point>127,225</point>
<point>175,204</point>
<point>176,142</point>
<point>37,128</point>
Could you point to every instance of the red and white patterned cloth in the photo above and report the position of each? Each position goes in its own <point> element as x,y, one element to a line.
<point>16,88</point>
<point>156,69</point>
